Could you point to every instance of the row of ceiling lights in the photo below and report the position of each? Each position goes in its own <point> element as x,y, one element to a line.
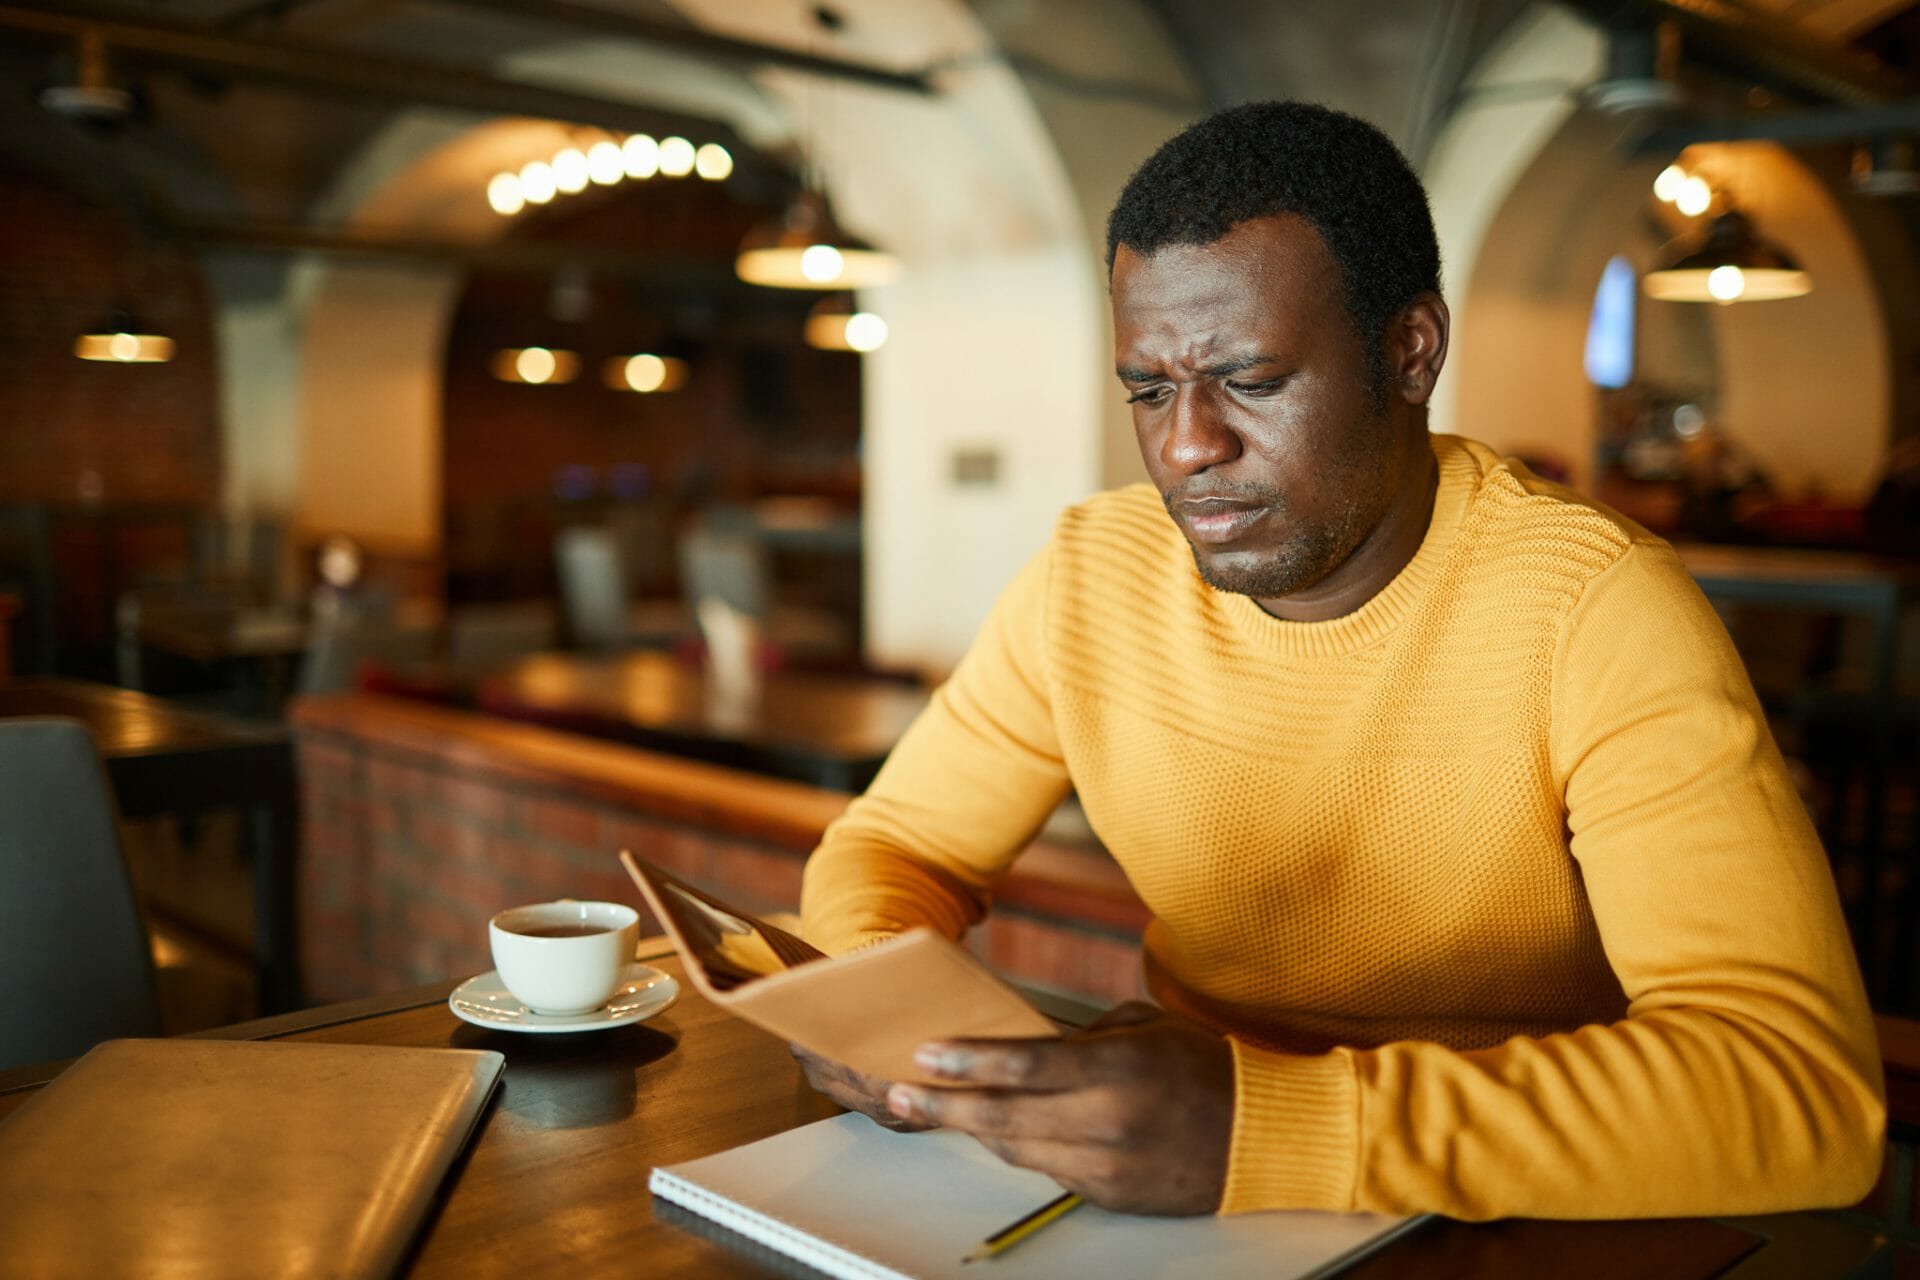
<point>803,247</point>
<point>605,163</point>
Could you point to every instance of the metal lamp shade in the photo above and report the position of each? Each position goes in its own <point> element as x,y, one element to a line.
<point>123,339</point>
<point>805,249</point>
<point>1732,264</point>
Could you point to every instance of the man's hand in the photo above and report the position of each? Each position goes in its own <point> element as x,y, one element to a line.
<point>1135,1114</point>
<point>852,1090</point>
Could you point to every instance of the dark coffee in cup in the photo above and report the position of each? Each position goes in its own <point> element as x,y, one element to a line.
<point>563,957</point>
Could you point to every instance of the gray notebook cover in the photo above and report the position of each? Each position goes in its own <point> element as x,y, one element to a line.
<point>213,1158</point>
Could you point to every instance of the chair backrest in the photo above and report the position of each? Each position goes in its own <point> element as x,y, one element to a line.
<point>593,586</point>
<point>75,963</point>
<point>726,565</point>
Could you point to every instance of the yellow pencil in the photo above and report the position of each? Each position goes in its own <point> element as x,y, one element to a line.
<point>1013,1233</point>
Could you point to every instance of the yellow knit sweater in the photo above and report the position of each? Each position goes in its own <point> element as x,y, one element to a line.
<point>1497,885</point>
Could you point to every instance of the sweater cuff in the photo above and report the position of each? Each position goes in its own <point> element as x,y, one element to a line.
<point>1296,1131</point>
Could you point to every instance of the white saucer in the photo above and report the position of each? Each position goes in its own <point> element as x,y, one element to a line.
<point>485,1002</point>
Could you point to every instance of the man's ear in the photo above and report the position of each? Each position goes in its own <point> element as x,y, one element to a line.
<point>1418,346</point>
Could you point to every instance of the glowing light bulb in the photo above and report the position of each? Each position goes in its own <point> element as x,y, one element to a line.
<point>503,193</point>
<point>642,155</point>
<point>536,182</point>
<point>123,346</point>
<point>606,164</point>
<point>1667,185</point>
<point>676,157</point>
<point>712,162</point>
<point>866,331</point>
<point>646,372</point>
<point>570,171</point>
<point>1693,197</point>
<point>535,365</point>
<point>821,263</point>
<point>1726,283</point>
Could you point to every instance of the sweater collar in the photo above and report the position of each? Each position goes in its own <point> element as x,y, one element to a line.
<point>1378,617</point>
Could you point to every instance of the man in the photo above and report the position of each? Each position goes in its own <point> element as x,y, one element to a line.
<point>1478,884</point>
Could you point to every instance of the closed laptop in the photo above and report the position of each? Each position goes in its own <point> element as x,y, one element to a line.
<point>213,1158</point>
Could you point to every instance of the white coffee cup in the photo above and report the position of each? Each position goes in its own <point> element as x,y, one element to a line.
<point>563,957</point>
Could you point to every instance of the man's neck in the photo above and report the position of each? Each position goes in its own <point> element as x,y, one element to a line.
<point>1378,559</point>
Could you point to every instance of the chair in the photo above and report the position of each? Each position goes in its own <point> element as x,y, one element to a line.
<point>727,565</point>
<point>731,564</point>
<point>75,967</point>
<point>593,587</point>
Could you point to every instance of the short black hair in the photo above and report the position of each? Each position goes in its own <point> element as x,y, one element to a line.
<point>1264,158</point>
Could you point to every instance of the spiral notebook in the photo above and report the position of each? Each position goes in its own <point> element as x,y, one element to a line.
<point>221,1158</point>
<point>849,1199</point>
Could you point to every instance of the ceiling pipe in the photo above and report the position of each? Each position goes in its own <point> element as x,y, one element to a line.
<point>329,69</point>
<point>1810,127</point>
<point>1759,46</point>
<point>692,40</point>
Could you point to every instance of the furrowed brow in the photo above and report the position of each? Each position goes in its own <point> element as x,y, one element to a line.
<point>1239,364</point>
<point>1218,369</point>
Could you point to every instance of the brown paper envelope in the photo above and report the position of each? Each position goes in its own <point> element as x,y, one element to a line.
<point>869,1009</point>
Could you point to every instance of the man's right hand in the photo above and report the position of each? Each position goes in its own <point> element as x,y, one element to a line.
<point>852,1090</point>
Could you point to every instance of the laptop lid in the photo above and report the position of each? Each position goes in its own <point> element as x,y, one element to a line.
<point>217,1158</point>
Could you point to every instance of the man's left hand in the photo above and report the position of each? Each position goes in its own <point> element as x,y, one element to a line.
<point>1135,1113</point>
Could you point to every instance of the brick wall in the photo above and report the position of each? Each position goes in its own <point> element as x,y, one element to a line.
<point>421,822</point>
<point>81,430</point>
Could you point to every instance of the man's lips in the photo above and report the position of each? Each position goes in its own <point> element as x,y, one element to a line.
<point>1216,519</point>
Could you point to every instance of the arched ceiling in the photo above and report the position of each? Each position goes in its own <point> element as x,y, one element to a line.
<point>235,141</point>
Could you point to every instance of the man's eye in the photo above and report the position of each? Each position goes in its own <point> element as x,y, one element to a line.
<point>1148,395</point>
<point>1263,388</point>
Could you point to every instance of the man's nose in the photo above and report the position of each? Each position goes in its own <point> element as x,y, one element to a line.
<point>1199,437</point>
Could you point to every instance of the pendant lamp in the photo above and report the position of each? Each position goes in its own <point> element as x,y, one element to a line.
<point>804,248</point>
<point>836,323</point>
<point>122,340</point>
<point>1730,264</point>
<point>535,366</point>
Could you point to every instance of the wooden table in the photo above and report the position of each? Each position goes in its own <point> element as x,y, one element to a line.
<point>256,647</point>
<point>556,1183</point>
<point>162,759</point>
<point>210,637</point>
<point>828,730</point>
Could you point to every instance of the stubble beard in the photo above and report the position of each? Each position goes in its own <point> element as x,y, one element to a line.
<point>1308,554</point>
<point>1300,562</point>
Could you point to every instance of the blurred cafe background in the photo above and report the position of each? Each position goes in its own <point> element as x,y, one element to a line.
<point>443,442</point>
